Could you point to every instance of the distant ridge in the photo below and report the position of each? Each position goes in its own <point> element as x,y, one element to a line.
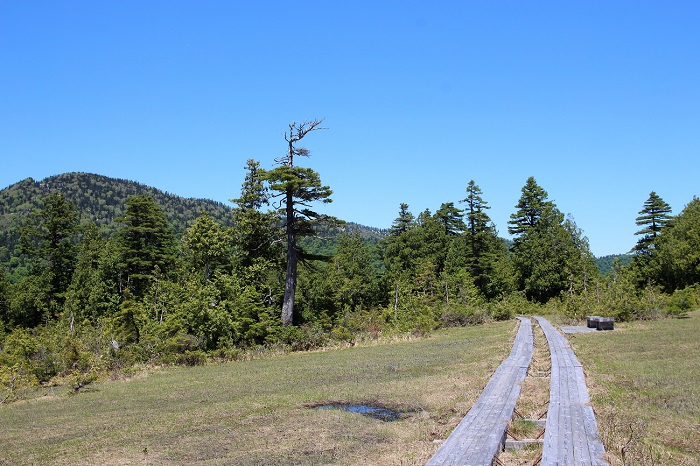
<point>100,199</point>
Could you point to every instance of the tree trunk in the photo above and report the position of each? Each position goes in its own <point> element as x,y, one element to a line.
<point>290,284</point>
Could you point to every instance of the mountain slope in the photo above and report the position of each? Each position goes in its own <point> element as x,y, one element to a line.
<point>100,199</point>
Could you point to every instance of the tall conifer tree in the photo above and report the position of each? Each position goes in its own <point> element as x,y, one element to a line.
<point>146,242</point>
<point>653,217</point>
<point>298,188</point>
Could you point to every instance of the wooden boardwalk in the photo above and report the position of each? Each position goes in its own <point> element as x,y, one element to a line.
<point>571,435</point>
<point>480,435</point>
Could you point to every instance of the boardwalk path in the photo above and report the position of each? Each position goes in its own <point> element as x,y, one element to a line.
<point>480,435</point>
<point>571,435</point>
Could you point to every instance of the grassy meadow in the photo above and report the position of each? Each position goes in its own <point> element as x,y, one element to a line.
<point>644,381</point>
<point>260,411</point>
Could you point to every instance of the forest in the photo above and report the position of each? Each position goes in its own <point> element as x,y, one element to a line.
<point>91,291</point>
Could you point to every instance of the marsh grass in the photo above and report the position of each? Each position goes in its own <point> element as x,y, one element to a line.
<point>258,411</point>
<point>644,381</point>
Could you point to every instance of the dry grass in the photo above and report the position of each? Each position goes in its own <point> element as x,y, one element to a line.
<point>257,412</point>
<point>644,380</point>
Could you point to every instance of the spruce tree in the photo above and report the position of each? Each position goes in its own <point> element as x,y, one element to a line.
<point>51,243</point>
<point>93,291</point>
<point>653,217</point>
<point>484,246</point>
<point>146,243</point>
<point>403,222</point>
<point>676,258</point>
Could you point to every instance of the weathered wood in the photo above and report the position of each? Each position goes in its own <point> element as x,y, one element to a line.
<point>481,434</point>
<point>571,436</point>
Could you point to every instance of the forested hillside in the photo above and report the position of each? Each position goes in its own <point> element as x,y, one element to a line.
<point>101,200</point>
<point>100,274</point>
<point>605,264</point>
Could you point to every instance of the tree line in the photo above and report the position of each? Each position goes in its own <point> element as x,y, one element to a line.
<point>92,302</point>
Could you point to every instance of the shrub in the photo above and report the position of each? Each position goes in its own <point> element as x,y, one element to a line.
<point>15,382</point>
<point>192,358</point>
<point>454,316</point>
<point>685,300</point>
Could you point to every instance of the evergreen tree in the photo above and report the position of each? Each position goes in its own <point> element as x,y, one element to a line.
<point>206,245</point>
<point>50,241</point>
<point>403,222</point>
<point>549,254</point>
<point>254,231</point>
<point>146,243</point>
<point>93,291</point>
<point>482,238</point>
<point>531,205</point>
<point>298,188</point>
<point>653,217</point>
<point>676,259</point>
<point>415,260</point>
<point>451,218</point>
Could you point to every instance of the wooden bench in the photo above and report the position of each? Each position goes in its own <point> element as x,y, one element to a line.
<point>571,436</point>
<point>481,434</point>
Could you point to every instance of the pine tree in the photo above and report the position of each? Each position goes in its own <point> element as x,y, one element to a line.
<point>298,188</point>
<point>653,217</point>
<point>93,291</point>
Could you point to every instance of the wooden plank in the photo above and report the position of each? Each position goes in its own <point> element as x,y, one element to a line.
<point>481,433</point>
<point>571,436</point>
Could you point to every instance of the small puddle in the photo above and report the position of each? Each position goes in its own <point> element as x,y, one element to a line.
<point>377,412</point>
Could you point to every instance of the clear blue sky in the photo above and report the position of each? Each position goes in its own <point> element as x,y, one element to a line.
<point>598,100</point>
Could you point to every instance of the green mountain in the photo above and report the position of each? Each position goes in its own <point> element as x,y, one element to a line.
<point>100,199</point>
<point>605,263</point>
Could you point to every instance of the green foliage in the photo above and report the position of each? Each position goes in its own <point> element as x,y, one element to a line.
<point>653,217</point>
<point>94,289</point>
<point>676,258</point>
<point>82,302</point>
<point>48,238</point>
<point>146,243</point>
<point>98,199</point>
<point>15,382</point>
<point>550,255</point>
<point>206,246</point>
<point>684,300</point>
<point>606,264</point>
<point>403,222</point>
